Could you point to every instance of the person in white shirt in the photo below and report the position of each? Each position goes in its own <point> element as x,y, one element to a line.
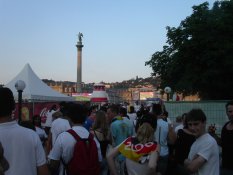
<point>64,145</point>
<point>36,121</point>
<point>203,157</point>
<point>49,118</point>
<point>132,115</point>
<point>163,134</point>
<point>60,124</point>
<point>22,146</point>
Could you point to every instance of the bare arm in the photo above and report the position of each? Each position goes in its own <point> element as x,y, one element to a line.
<point>43,170</point>
<point>48,145</point>
<point>4,163</point>
<point>110,158</point>
<point>54,165</point>
<point>193,165</point>
<point>153,160</point>
<point>171,134</point>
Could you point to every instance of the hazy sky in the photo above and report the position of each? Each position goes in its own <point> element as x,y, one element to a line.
<point>119,36</point>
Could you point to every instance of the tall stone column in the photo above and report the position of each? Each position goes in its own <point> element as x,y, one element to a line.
<point>79,46</point>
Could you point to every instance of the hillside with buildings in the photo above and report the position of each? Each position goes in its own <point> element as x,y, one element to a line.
<point>67,86</point>
<point>126,90</point>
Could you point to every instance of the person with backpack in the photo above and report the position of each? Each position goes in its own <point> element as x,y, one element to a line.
<point>77,149</point>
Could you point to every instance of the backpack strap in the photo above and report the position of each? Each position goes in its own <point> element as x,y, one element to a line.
<point>74,134</point>
<point>91,136</point>
<point>77,137</point>
<point>96,136</point>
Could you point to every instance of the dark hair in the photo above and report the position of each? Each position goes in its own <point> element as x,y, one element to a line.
<point>183,116</point>
<point>157,109</point>
<point>28,124</point>
<point>7,102</point>
<point>64,107</point>
<point>228,104</point>
<point>92,109</point>
<point>131,109</point>
<point>165,113</point>
<point>178,119</point>
<point>196,115</point>
<point>77,113</point>
<point>184,119</point>
<point>114,108</point>
<point>123,111</point>
<point>147,118</point>
<point>54,107</point>
<point>62,103</point>
<point>103,108</point>
<point>34,118</point>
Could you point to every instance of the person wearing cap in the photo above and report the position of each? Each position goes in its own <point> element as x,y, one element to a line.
<point>141,151</point>
<point>22,146</point>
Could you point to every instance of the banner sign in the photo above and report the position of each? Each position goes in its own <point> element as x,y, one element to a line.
<point>31,109</point>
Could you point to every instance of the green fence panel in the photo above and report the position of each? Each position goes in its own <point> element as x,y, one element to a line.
<point>214,110</point>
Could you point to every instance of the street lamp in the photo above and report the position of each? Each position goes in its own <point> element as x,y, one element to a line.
<point>167,90</point>
<point>20,86</point>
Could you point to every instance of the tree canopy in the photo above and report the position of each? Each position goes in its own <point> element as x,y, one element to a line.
<point>198,56</point>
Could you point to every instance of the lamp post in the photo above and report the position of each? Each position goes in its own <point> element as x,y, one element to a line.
<point>167,90</point>
<point>20,86</point>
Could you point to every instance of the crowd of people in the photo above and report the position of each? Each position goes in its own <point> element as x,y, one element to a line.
<point>113,139</point>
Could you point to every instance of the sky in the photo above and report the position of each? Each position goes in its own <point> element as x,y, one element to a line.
<point>119,36</point>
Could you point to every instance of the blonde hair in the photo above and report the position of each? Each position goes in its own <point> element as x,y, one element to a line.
<point>57,114</point>
<point>101,123</point>
<point>145,133</point>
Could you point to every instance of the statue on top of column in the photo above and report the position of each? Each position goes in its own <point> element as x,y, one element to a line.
<point>80,35</point>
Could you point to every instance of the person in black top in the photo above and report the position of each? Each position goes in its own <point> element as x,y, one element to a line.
<point>227,142</point>
<point>183,143</point>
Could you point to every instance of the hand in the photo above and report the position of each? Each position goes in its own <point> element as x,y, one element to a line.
<point>212,129</point>
<point>186,162</point>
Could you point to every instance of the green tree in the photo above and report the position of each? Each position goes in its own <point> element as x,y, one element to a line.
<point>198,57</point>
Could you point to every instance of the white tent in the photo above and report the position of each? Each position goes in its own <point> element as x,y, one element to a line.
<point>36,89</point>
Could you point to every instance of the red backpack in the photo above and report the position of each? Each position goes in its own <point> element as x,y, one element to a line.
<point>85,159</point>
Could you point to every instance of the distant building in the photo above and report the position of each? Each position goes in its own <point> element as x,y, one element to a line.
<point>126,91</point>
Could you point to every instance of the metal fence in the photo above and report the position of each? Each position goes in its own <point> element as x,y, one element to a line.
<point>214,110</point>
